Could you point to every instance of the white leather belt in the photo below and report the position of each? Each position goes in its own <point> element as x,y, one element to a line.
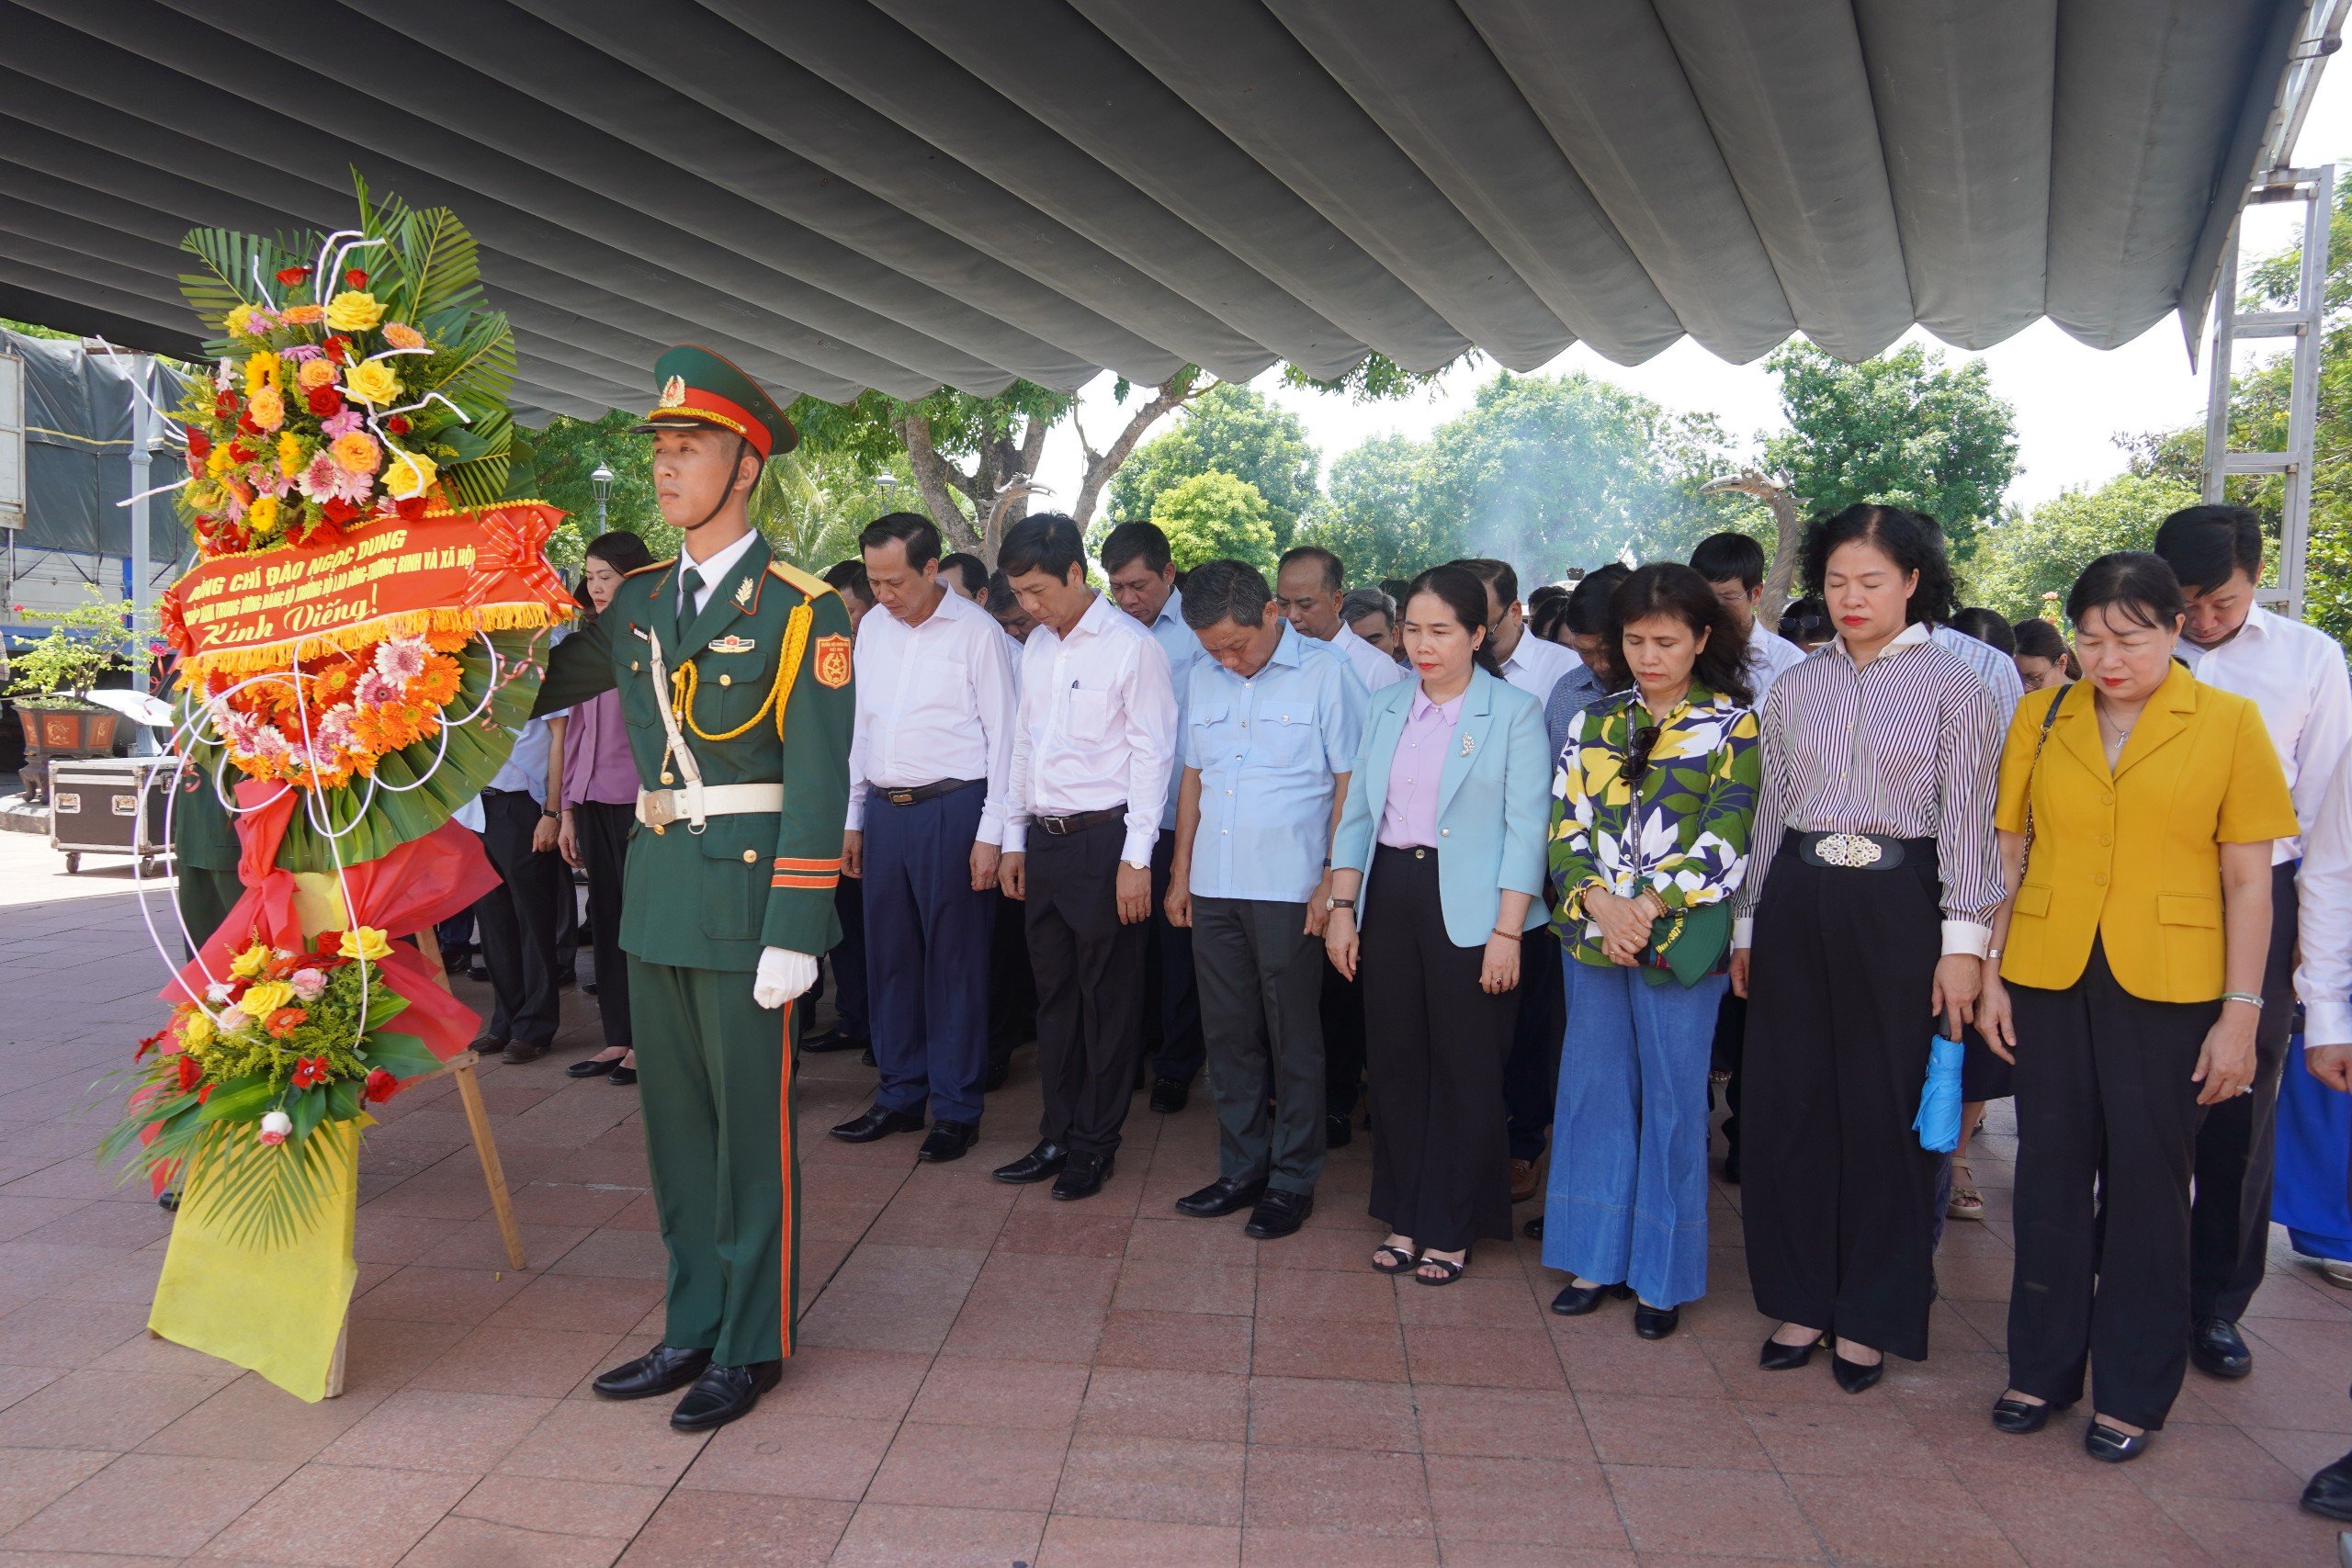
<point>657,808</point>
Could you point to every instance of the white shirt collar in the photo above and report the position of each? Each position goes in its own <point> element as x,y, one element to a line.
<point>718,565</point>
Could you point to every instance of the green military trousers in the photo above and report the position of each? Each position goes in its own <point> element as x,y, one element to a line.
<point>715,1077</point>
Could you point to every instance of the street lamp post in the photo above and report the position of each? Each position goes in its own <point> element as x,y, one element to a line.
<point>601,482</point>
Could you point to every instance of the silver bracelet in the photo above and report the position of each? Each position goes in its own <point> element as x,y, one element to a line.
<point>2249,997</point>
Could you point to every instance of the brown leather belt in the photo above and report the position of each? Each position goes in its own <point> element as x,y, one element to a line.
<point>917,794</point>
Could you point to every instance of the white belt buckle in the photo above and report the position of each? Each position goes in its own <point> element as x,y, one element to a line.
<point>1853,850</point>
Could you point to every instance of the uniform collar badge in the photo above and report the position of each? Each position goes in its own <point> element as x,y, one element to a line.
<point>743,592</point>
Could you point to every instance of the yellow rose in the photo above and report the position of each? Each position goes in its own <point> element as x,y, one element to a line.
<point>289,454</point>
<point>366,942</point>
<point>261,370</point>
<point>399,334</point>
<point>302,315</point>
<point>216,462</point>
<point>196,1032</point>
<point>316,373</point>
<point>409,473</point>
<point>354,310</point>
<point>261,1000</point>
<point>261,516</point>
<point>373,381</point>
<point>355,452</point>
<point>239,323</point>
<point>251,964</point>
<point>267,408</point>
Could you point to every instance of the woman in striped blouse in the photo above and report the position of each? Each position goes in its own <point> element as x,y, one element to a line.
<point>1864,919</point>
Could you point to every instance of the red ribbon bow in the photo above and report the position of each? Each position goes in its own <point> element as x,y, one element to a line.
<point>511,541</point>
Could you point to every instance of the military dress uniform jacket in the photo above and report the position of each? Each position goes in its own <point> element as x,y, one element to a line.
<point>769,634</point>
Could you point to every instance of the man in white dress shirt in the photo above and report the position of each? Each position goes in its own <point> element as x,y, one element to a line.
<point>1093,744</point>
<point>2297,677</point>
<point>928,768</point>
<point>1733,565</point>
<point>1141,572</point>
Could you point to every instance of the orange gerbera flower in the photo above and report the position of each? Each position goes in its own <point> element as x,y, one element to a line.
<point>448,639</point>
<point>438,684</point>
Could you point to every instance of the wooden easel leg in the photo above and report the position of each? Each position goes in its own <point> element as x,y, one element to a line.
<point>492,1171</point>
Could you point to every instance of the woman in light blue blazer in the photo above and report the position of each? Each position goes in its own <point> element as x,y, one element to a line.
<point>1442,840</point>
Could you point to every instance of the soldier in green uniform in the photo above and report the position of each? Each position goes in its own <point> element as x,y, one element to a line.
<point>204,853</point>
<point>734,675</point>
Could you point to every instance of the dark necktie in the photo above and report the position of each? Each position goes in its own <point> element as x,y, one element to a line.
<point>691,581</point>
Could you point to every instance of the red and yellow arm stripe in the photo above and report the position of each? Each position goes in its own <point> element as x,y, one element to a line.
<point>815,876</point>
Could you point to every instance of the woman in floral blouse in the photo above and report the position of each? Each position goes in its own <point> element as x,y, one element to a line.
<point>1651,803</point>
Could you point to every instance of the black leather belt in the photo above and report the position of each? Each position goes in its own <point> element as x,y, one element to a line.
<point>1062,827</point>
<point>921,793</point>
<point>1859,851</point>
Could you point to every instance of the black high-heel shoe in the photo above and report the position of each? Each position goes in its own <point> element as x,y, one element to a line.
<point>1778,1358</point>
<point>2102,1441</point>
<point>1854,1377</point>
<point>1574,1300</point>
<point>1655,1323</point>
<point>2017,1417</point>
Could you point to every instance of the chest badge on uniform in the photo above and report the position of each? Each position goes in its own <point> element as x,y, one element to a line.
<point>832,660</point>
<point>732,645</point>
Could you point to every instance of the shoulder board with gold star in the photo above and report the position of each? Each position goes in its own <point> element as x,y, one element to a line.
<point>809,586</point>
<point>657,566</point>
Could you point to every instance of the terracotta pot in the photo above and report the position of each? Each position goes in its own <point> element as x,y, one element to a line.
<point>64,731</point>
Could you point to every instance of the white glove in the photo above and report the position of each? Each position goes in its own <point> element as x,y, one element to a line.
<point>783,974</point>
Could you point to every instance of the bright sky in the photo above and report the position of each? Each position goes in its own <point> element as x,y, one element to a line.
<point>2071,401</point>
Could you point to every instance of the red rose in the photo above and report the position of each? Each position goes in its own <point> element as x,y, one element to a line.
<point>339,511</point>
<point>354,278</point>
<point>325,402</point>
<point>189,1071</point>
<point>291,275</point>
<point>397,424</point>
<point>338,351</point>
<point>411,509</point>
<point>381,1086</point>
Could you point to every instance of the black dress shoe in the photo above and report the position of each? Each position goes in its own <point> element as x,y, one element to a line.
<point>2017,1417</point>
<point>833,1040</point>
<point>1039,1164</point>
<point>999,1069</point>
<point>2215,1346</point>
<point>478,972</point>
<point>1338,1130</point>
<point>723,1393</point>
<point>948,1141</point>
<point>1082,1177</point>
<point>2103,1441</point>
<point>1279,1213</point>
<point>2330,1492</point>
<point>658,1370</point>
<point>624,1076</point>
<point>1223,1196</point>
<point>1574,1300</point>
<point>488,1046</point>
<point>1169,1095</point>
<point>518,1052</point>
<point>1534,1229</point>
<point>1655,1323</point>
<point>875,1124</point>
<point>593,1067</point>
<point>590,988</point>
<point>1854,1377</point>
<point>1778,1358</point>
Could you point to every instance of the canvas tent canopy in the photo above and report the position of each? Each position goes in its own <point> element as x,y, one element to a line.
<point>907,194</point>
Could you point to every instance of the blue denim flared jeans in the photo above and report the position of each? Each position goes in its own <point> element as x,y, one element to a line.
<point>1627,1201</point>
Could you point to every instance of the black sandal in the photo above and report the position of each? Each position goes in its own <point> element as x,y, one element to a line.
<point>1452,1270</point>
<point>1381,1256</point>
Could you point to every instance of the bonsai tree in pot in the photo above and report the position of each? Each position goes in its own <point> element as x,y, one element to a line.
<point>50,683</point>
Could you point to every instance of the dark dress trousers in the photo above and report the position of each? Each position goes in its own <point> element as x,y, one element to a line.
<point>1090,985</point>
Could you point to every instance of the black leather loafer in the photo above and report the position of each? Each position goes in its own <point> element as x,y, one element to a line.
<point>2330,1492</point>
<point>518,1052</point>
<point>1169,1095</point>
<point>592,1068</point>
<point>1574,1300</point>
<point>724,1394</point>
<point>2217,1350</point>
<point>1338,1130</point>
<point>833,1040</point>
<point>1223,1196</point>
<point>999,1069</point>
<point>2018,1417</point>
<point>662,1369</point>
<point>1854,1377</point>
<point>1082,1177</point>
<point>1040,1164</point>
<point>1778,1358</point>
<point>1534,1229</point>
<point>1655,1323</point>
<point>623,1077</point>
<point>1279,1213</point>
<point>948,1141</point>
<point>875,1124</point>
<point>2102,1441</point>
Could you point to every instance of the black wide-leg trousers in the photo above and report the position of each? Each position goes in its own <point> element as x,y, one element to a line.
<point>2237,1146</point>
<point>1090,985</point>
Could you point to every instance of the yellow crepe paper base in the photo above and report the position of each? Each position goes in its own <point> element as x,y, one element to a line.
<point>405,623</point>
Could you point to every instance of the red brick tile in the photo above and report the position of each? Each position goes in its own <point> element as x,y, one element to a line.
<point>1518,1500</point>
<point>1035,1334</point>
<point>1333,1412</point>
<point>614,1510</point>
<point>544,1363</point>
<point>1367,1351</point>
<point>1706,1433</point>
<point>343,1517</point>
<point>1501,1422</point>
<point>162,1505</point>
<point>2062,1526</point>
<point>1618,1362</point>
<point>582,1304</point>
<point>1068,1231</point>
<point>885,1535</point>
<point>1152,1284</point>
<point>1902,1522</point>
<point>1178,1341</point>
<point>255,1420</point>
<point>604,1441</point>
<point>2229,1528</point>
<point>1150,1402</point>
<point>1076,1542</point>
<point>1710,1511</point>
<point>422,1430</point>
<point>1167,1479</point>
<point>1263,1546</point>
<point>31,1479</point>
<point>1854,1438</point>
<point>102,1410</point>
<point>1348,1492</point>
<point>790,1454</point>
<point>831,1380</point>
<point>458,1542</point>
<point>51,1333</point>
<point>970,1467</point>
<point>1038,1395</point>
<point>1489,1358</point>
<point>422,1294</point>
<point>1315,1295</point>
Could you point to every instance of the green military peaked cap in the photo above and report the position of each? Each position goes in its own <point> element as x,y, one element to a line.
<point>701,388</point>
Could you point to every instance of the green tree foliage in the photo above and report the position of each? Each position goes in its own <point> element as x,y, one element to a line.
<point>2043,551</point>
<point>1379,518</point>
<point>1906,428</point>
<point>1217,515</point>
<point>1237,430</point>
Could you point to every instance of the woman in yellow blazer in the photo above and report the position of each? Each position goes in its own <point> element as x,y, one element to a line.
<point>2135,816</point>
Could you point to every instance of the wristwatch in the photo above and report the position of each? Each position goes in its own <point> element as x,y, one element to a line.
<point>1330,904</point>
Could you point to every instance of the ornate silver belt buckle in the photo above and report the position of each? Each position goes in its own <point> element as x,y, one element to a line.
<point>656,807</point>
<point>1853,850</point>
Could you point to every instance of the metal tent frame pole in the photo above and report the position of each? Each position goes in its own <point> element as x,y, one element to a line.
<point>2304,321</point>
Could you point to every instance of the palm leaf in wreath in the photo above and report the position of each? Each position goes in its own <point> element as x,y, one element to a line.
<point>437,262</point>
<point>257,1195</point>
<point>230,262</point>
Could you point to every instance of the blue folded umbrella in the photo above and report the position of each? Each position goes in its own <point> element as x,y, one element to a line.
<point>1937,1122</point>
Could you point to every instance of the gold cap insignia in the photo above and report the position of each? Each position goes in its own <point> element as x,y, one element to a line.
<point>673,393</point>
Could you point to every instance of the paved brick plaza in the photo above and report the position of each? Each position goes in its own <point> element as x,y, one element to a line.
<point>991,1378</point>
